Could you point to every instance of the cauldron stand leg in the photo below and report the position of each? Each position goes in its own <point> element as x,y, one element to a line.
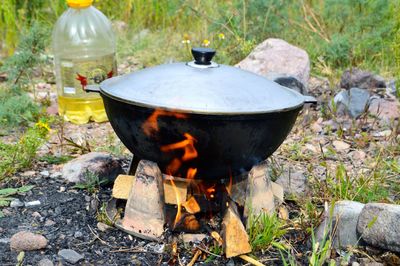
<point>133,165</point>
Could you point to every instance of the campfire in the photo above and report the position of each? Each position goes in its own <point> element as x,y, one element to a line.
<point>156,202</point>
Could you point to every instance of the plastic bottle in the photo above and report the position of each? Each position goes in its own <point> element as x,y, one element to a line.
<point>84,54</point>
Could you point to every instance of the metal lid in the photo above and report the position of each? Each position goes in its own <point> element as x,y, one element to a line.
<point>201,86</point>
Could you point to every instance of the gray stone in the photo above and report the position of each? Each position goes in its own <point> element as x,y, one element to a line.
<point>70,256</point>
<point>353,102</point>
<point>361,79</point>
<point>278,56</point>
<point>103,227</point>
<point>379,225</point>
<point>101,164</point>
<point>45,262</point>
<point>293,183</point>
<point>32,203</point>
<point>287,81</point>
<point>391,87</point>
<point>24,240</point>
<point>16,203</point>
<point>344,220</point>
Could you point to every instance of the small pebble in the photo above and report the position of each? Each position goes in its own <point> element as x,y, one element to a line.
<point>45,173</point>
<point>58,210</point>
<point>16,203</point>
<point>70,256</point>
<point>49,222</point>
<point>36,215</point>
<point>32,203</point>
<point>103,227</point>
<point>87,198</point>
<point>25,240</point>
<point>62,189</point>
<point>56,174</point>
<point>78,234</point>
<point>45,262</point>
<point>4,240</point>
<point>28,173</point>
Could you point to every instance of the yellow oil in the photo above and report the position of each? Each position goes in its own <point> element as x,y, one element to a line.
<point>82,110</point>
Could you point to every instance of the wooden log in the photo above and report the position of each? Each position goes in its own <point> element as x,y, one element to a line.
<point>122,186</point>
<point>234,235</point>
<point>170,193</point>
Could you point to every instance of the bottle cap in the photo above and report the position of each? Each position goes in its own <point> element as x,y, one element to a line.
<point>79,3</point>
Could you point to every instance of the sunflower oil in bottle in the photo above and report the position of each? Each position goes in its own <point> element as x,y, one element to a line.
<point>84,54</point>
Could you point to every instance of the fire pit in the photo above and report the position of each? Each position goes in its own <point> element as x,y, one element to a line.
<point>199,133</point>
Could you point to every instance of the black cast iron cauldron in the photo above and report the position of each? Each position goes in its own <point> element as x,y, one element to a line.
<point>218,119</point>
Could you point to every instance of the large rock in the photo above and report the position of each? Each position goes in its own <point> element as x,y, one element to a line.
<point>384,109</point>
<point>361,79</point>
<point>344,220</point>
<point>24,240</point>
<point>353,102</point>
<point>280,57</point>
<point>293,183</point>
<point>379,225</point>
<point>288,81</point>
<point>98,163</point>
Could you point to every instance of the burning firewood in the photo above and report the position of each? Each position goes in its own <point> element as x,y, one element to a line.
<point>191,205</point>
<point>170,192</point>
<point>234,235</point>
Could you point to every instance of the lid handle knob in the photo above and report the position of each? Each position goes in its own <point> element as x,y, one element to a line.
<point>203,56</point>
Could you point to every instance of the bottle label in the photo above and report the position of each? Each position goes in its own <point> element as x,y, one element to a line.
<point>79,75</point>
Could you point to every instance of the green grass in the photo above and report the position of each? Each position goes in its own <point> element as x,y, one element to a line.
<point>92,183</point>
<point>20,155</point>
<point>336,33</point>
<point>263,230</point>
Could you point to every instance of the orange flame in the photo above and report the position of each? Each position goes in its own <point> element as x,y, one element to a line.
<point>229,185</point>
<point>150,126</point>
<point>191,173</point>
<point>178,200</point>
<point>187,145</point>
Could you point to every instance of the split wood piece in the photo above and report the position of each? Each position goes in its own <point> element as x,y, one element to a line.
<point>234,235</point>
<point>144,211</point>
<point>191,205</point>
<point>122,186</point>
<point>259,194</point>
<point>170,192</point>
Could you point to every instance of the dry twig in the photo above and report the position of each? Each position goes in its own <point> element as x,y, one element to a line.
<point>195,257</point>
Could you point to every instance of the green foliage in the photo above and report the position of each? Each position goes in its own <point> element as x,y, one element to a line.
<point>264,229</point>
<point>16,107</point>
<point>6,193</point>
<point>14,157</point>
<point>51,159</point>
<point>92,184</point>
